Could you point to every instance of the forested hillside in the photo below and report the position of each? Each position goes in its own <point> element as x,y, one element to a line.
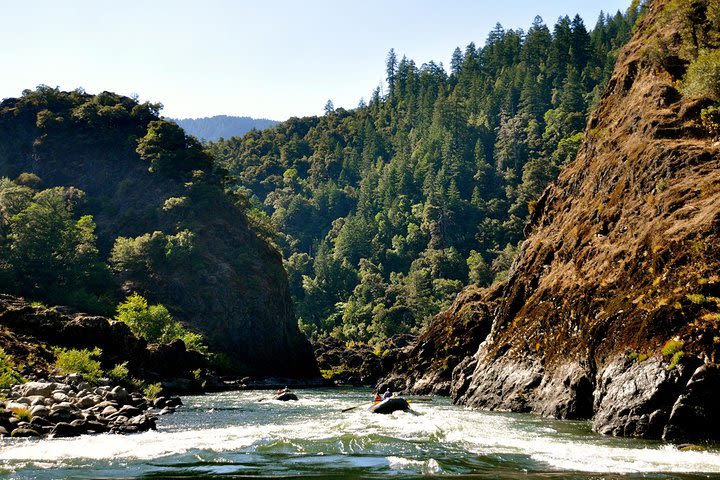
<point>100,198</point>
<point>222,126</point>
<point>612,309</point>
<point>386,211</point>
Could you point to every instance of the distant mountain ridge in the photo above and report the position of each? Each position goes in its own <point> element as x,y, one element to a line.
<point>222,126</point>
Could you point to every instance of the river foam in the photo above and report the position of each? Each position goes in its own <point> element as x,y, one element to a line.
<point>236,433</point>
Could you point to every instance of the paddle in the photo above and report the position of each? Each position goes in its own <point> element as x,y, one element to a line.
<point>352,408</point>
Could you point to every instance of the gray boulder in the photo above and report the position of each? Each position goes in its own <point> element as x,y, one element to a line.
<point>37,388</point>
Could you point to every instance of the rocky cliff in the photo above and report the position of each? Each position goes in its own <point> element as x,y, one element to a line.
<point>611,309</point>
<point>218,277</point>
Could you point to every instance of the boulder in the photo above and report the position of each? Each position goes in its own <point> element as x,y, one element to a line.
<point>85,402</point>
<point>40,411</point>
<point>142,422</point>
<point>119,394</point>
<point>39,422</point>
<point>63,429</point>
<point>128,411</point>
<point>108,410</point>
<point>106,403</point>
<point>60,397</point>
<point>80,426</point>
<point>94,426</point>
<point>695,413</point>
<point>43,389</point>
<point>24,432</point>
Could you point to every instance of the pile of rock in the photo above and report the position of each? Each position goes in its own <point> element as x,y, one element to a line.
<point>69,406</point>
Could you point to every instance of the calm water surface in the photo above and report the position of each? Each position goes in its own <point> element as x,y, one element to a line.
<point>233,434</point>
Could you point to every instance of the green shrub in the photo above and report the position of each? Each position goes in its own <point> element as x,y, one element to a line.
<point>79,361</point>
<point>153,391</point>
<point>671,347</point>
<point>638,357</point>
<point>703,76</point>
<point>155,324</point>
<point>8,374</point>
<point>696,298</point>
<point>710,120</point>
<point>675,359</point>
<point>119,373</point>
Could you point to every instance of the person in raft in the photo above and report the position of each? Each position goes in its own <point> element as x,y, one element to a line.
<point>284,390</point>
<point>378,398</point>
<point>387,394</point>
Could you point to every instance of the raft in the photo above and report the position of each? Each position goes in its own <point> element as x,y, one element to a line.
<point>390,405</point>
<point>284,397</point>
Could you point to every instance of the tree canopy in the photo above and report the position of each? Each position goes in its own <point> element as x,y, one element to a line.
<point>384,212</point>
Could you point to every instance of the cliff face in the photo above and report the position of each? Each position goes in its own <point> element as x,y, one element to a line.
<point>621,256</point>
<point>232,287</point>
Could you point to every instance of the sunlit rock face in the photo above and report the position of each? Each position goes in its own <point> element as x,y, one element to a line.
<point>621,256</point>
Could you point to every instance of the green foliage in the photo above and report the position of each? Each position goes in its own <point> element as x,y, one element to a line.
<point>638,357</point>
<point>79,361</point>
<point>219,362</point>
<point>703,76</point>
<point>153,390</point>
<point>170,151</point>
<point>696,298</point>
<point>152,252</point>
<point>119,373</point>
<point>49,253</point>
<point>671,347</point>
<point>710,120</point>
<point>383,212</point>
<point>675,360</point>
<point>8,371</point>
<point>155,324</point>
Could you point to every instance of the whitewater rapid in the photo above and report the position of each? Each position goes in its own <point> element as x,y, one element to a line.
<point>235,432</point>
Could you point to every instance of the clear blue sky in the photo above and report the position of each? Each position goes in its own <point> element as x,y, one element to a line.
<point>261,58</point>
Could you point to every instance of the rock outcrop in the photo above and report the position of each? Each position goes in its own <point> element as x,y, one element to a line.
<point>621,257</point>
<point>27,332</point>
<point>426,366</point>
<point>234,289</point>
<point>358,364</point>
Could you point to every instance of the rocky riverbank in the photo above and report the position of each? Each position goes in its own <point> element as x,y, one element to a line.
<point>68,406</point>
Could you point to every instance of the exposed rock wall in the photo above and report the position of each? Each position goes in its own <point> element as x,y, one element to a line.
<point>621,256</point>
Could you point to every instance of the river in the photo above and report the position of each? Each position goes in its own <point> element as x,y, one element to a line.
<point>236,434</point>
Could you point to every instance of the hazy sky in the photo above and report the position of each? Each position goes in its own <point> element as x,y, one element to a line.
<point>265,58</point>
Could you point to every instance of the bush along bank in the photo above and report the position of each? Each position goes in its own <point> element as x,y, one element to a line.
<point>67,406</point>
